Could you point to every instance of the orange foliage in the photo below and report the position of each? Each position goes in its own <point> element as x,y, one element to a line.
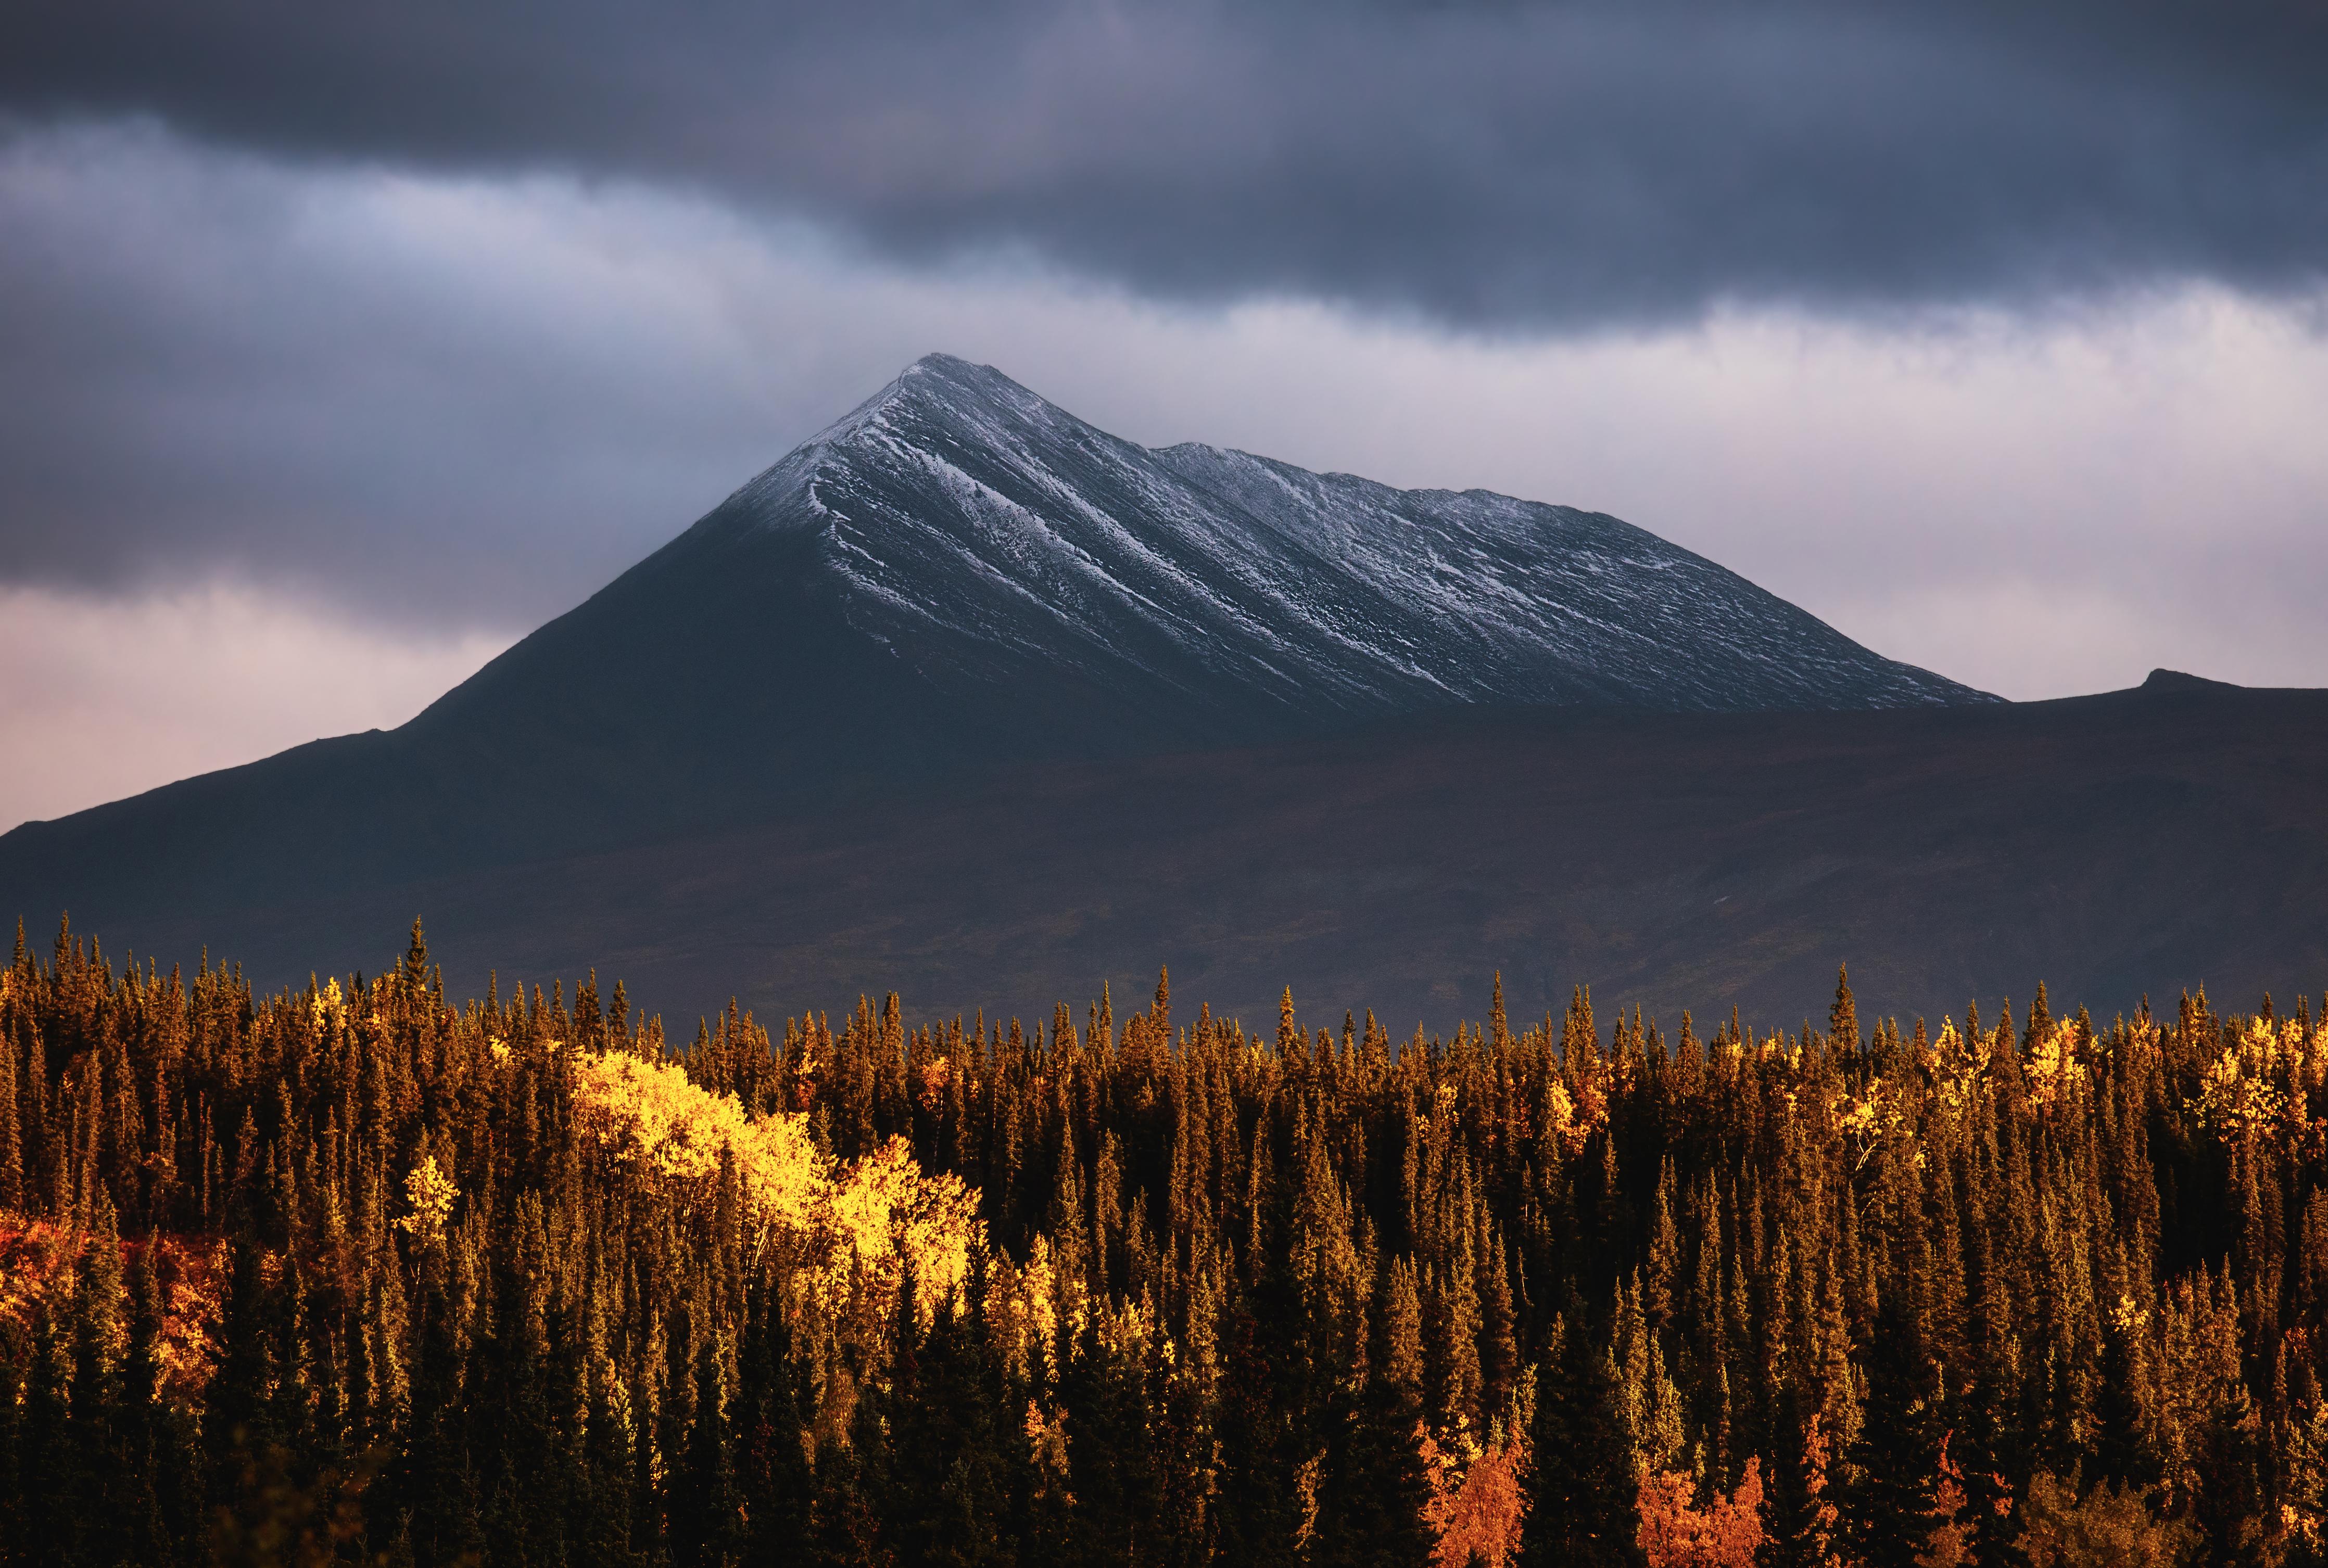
<point>40,1261</point>
<point>1726,1533</point>
<point>1950,1545</point>
<point>935,1076</point>
<point>1475,1508</point>
<point>1819,1548</point>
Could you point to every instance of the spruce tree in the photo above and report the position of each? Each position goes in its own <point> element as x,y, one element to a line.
<point>706,1519</point>
<point>97,1482</point>
<point>1372,1492</point>
<point>772,1475</point>
<point>1111,1454</point>
<point>1583,1500</point>
<point>14,1352</point>
<point>956,1456</point>
<point>1826,1257</point>
<point>1889,1510</point>
<point>49,1530</point>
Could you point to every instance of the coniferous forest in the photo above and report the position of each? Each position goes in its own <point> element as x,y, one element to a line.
<point>369,1273</point>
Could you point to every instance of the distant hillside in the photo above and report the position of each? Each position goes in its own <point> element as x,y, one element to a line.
<point>2139,842</point>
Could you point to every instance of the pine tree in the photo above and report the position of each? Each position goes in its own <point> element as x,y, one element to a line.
<point>1800,1521</point>
<point>1842,1018</point>
<point>957,1463</point>
<point>1259,1503</point>
<point>1228,1284</point>
<point>12,1150</point>
<point>155,1517</point>
<point>14,1522</point>
<point>435,1482</point>
<point>95,1463</point>
<point>1111,1456</point>
<point>51,1531</point>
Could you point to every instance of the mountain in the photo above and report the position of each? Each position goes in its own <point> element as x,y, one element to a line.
<point>956,540</point>
<point>968,698</point>
<point>959,575</point>
<point>959,569</point>
<point>981,533</point>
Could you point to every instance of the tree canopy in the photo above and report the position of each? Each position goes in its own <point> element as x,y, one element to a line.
<point>361,1274</point>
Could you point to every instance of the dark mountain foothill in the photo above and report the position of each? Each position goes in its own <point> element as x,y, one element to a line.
<point>965,694</point>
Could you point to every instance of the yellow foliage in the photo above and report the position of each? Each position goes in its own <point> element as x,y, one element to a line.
<point>1866,1121</point>
<point>428,1195</point>
<point>2248,1086</point>
<point>1563,1118</point>
<point>1022,1307</point>
<point>892,1214</point>
<point>651,1116</point>
<point>1959,1070</point>
<point>882,1213</point>
<point>1573,1119</point>
<point>2052,1067</point>
<point>1046,1439</point>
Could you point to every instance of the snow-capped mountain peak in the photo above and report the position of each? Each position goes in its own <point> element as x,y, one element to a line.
<point>984,534</point>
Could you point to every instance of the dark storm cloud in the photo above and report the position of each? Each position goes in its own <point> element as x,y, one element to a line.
<point>1486,165</point>
<point>432,402</point>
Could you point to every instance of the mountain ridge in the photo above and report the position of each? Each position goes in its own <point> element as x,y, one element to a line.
<point>1314,591</point>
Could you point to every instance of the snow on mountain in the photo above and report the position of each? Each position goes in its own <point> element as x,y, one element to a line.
<point>982,533</point>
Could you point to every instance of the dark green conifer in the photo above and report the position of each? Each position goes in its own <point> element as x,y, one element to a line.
<point>1373,1491</point>
<point>706,1523</point>
<point>1583,1501</point>
<point>1889,1510</point>
<point>49,1529</point>
<point>958,1461</point>
<point>773,1476</point>
<point>1842,1018</point>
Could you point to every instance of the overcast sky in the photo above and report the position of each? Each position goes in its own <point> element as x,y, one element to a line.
<point>340,345</point>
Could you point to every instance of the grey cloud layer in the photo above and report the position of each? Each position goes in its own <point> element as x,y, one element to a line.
<point>432,402</point>
<point>1487,165</point>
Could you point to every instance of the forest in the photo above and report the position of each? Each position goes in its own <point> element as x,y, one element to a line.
<point>368,1273</point>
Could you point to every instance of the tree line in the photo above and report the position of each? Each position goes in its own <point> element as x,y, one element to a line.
<point>361,1274</point>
